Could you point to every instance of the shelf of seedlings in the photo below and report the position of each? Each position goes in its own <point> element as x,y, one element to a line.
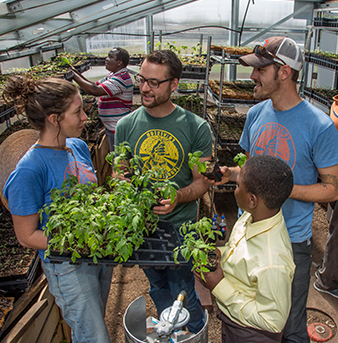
<point>322,59</point>
<point>321,95</point>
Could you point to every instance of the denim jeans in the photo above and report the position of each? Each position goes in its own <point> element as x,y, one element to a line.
<point>165,286</point>
<point>81,291</point>
<point>296,326</point>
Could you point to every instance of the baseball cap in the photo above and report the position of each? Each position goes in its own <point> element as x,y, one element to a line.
<point>282,50</point>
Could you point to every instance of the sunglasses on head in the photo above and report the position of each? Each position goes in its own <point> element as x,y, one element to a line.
<point>260,50</point>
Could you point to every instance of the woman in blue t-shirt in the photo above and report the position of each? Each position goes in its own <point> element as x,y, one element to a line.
<point>54,107</point>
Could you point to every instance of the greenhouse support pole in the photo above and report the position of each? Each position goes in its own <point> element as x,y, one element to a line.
<point>149,33</point>
<point>234,35</point>
<point>201,45</point>
<point>206,83</point>
<point>160,40</point>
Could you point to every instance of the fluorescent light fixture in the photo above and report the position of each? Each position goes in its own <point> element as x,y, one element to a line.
<point>70,30</point>
<point>106,7</point>
<point>38,30</point>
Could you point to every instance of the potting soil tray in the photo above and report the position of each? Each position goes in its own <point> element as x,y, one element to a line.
<point>20,281</point>
<point>156,251</point>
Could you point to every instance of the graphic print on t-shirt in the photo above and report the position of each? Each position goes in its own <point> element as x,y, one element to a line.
<point>160,149</point>
<point>85,174</point>
<point>274,139</point>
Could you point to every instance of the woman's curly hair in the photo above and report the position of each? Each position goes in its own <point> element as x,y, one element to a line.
<point>38,99</point>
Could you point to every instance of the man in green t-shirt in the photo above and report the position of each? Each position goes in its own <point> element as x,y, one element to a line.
<point>163,134</point>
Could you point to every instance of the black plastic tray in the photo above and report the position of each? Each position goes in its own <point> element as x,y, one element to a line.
<point>326,22</point>
<point>6,113</point>
<point>318,97</point>
<point>156,251</point>
<point>226,101</point>
<point>20,281</point>
<point>323,61</point>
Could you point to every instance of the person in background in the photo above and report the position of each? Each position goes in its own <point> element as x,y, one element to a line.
<point>290,128</point>
<point>115,91</point>
<point>54,107</point>
<point>252,282</point>
<point>163,134</point>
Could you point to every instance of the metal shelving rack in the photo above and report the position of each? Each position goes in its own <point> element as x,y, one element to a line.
<point>321,24</point>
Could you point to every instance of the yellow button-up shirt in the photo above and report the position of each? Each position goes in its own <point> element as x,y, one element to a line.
<point>258,268</point>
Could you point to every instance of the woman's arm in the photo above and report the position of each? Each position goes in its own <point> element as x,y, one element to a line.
<point>27,232</point>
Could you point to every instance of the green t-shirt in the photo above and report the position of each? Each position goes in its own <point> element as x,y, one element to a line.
<point>165,143</point>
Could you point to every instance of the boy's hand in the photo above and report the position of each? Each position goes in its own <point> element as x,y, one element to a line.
<point>212,279</point>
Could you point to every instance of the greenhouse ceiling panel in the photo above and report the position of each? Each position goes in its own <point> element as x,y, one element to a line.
<point>32,23</point>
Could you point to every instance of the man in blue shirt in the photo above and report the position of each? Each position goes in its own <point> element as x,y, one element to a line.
<point>287,126</point>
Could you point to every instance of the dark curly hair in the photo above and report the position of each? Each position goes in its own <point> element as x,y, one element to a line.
<point>38,99</point>
<point>269,178</point>
<point>167,58</point>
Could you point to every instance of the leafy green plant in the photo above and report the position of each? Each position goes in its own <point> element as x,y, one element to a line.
<point>240,159</point>
<point>198,242</point>
<point>194,158</point>
<point>85,219</point>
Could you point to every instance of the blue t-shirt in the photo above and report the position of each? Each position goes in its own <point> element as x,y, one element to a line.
<point>306,139</point>
<point>39,171</point>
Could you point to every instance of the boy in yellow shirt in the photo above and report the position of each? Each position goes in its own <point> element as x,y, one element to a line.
<point>252,282</point>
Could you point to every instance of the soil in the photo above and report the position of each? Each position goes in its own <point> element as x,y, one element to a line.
<point>20,257</point>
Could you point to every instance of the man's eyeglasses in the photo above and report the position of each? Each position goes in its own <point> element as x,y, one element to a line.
<point>262,51</point>
<point>152,83</point>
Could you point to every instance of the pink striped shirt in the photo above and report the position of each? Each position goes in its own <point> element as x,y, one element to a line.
<point>117,103</point>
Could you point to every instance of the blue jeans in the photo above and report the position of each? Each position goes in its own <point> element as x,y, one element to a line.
<point>165,286</point>
<point>296,326</point>
<point>81,291</point>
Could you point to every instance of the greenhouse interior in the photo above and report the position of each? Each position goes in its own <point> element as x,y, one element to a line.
<point>156,117</point>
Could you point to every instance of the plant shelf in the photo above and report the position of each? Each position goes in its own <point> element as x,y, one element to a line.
<point>321,60</point>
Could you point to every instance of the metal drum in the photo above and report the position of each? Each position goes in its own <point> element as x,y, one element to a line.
<point>136,326</point>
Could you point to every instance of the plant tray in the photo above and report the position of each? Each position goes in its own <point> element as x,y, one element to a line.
<point>6,113</point>
<point>97,61</point>
<point>315,95</point>
<point>83,67</point>
<point>236,92</point>
<point>325,22</point>
<point>227,187</point>
<point>195,75</point>
<point>322,61</point>
<point>156,251</point>
<point>20,281</point>
<point>230,126</point>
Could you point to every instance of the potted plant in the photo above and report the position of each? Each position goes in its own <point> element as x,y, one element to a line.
<point>199,245</point>
<point>240,159</point>
<point>199,237</point>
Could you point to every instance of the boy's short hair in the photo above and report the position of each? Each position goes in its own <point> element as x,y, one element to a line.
<point>167,58</point>
<point>269,178</point>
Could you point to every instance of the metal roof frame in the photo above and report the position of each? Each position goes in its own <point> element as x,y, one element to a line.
<point>22,28</point>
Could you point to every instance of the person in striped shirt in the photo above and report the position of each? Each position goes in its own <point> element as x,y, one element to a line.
<point>115,91</point>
